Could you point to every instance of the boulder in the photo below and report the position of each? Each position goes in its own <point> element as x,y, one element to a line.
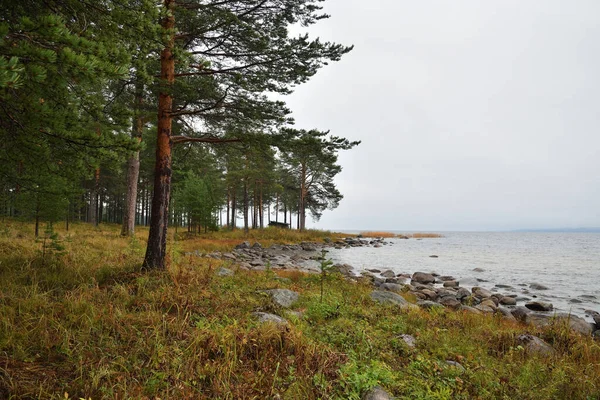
<point>478,269</point>
<point>450,302</point>
<point>520,313</point>
<point>283,297</point>
<point>462,293</point>
<point>430,294</point>
<point>469,309</point>
<point>269,318</point>
<point>429,305</point>
<point>224,272</point>
<point>452,284</point>
<point>537,286</point>
<point>445,278</point>
<point>388,274</point>
<point>539,306</point>
<point>377,393</point>
<point>392,287</point>
<point>481,293</point>
<point>409,340</point>
<point>389,297</point>
<point>508,301</point>
<point>506,313</point>
<point>575,323</point>
<point>595,316</point>
<point>257,246</point>
<point>344,269</point>
<point>534,345</point>
<point>422,277</point>
<point>489,303</point>
<point>242,246</point>
<point>485,309</point>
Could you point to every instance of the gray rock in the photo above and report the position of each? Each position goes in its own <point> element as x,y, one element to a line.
<point>537,286</point>
<point>453,284</point>
<point>429,305</point>
<point>257,246</point>
<point>534,345</point>
<point>485,309</point>
<point>389,297</point>
<point>595,315</point>
<point>283,297</point>
<point>455,365</point>
<point>506,313</point>
<point>224,272</point>
<point>502,286</point>
<point>445,278</point>
<point>344,269</point>
<point>230,256</point>
<point>377,393</point>
<point>478,269</point>
<point>433,256</point>
<point>422,277</point>
<point>520,313</point>
<point>450,302</point>
<point>388,274</point>
<point>575,323</point>
<point>489,303</point>
<point>481,293</point>
<point>243,245</point>
<point>409,340</point>
<point>392,287</point>
<point>269,318</point>
<point>462,293</point>
<point>430,294</point>
<point>539,306</point>
<point>470,309</point>
<point>508,301</point>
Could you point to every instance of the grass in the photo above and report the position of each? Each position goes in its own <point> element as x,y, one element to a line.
<point>87,323</point>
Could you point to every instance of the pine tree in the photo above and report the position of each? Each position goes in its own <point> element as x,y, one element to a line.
<point>229,53</point>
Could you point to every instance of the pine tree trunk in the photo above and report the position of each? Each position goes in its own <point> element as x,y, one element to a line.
<point>245,206</point>
<point>228,195</point>
<point>133,171</point>
<point>233,210</point>
<point>261,212</point>
<point>302,204</point>
<point>156,250</point>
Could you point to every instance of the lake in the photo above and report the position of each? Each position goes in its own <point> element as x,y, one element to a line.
<point>567,263</point>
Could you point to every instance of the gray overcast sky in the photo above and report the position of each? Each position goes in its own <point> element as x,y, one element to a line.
<point>474,115</point>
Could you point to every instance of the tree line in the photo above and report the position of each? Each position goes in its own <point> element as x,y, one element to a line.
<point>162,113</point>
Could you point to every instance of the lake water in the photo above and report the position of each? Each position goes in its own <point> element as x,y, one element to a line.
<point>567,263</point>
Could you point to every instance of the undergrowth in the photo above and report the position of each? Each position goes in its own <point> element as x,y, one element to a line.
<point>86,322</point>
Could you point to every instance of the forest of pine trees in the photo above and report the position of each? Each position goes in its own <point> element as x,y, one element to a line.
<point>138,112</point>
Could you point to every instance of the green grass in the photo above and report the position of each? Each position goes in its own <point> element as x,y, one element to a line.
<point>86,322</point>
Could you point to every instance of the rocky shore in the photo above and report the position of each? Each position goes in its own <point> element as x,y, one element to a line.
<point>430,290</point>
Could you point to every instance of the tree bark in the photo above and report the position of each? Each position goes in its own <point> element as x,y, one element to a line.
<point>133,170</point>
<point>302,203</point>
<point>246,206</point>
<point>156,251</point>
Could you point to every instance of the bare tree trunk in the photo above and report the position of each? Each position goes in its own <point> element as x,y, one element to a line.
<point>302,203</point>
<point>156,250</point>
<point>276,209</point>
<point>228,195</point>
<point>133,169</point>
<point>233,210</point>
<point>261,210</point>
<point>246,205</point>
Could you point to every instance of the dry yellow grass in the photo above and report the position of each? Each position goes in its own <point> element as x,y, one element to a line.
<point>378,234</point>
<point>422,235</point>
